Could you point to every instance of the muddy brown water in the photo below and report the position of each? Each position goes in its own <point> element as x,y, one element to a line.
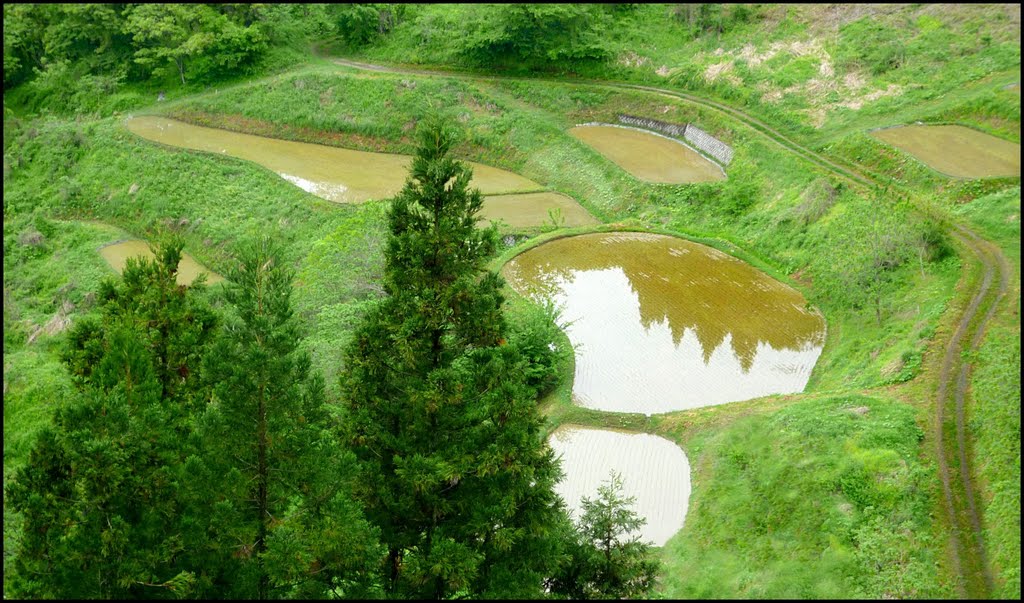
<point>535,209</point>
<point>348,176</point>
<point>117,255</point>
<point>663,324</point>
<point>649,156</point>
<point>653,469</point>
<point>955,150</point>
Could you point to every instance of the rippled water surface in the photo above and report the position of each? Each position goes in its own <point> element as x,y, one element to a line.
<point>188,269</point>
<point>955,150</point>
<point>653,469</point>
<point>648,156</point>
<point>662,324</point>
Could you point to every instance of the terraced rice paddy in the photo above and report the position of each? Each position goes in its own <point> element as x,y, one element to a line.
<point>348,176</point>
<point>117,254</point>
<point>533,209</point>
<point>662,324</point>
<point>955,150</point>
<point>649,156</point>
<point>653,469</point>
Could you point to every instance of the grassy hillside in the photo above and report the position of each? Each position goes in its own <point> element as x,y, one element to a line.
<point>823,495</point>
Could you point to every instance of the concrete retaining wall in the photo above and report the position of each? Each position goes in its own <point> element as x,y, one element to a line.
<point>709,144</point>
<point>677,130</point>
<point>703,141</point>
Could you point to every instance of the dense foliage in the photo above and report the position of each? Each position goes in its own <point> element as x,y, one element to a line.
<point>194,459</point>
<point>455,470</point>
<point>102,495</point>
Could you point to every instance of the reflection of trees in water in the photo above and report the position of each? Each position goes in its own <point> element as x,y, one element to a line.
<point>683,284</point>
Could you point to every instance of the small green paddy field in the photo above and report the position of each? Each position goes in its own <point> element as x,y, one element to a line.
<point>955,150</point>
<point>648,156</point>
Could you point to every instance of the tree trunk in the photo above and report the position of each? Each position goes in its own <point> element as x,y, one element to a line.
<point>394,562</point>
<point>261,492</point>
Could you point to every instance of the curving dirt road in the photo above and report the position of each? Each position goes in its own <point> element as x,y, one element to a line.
<point>953,450</point>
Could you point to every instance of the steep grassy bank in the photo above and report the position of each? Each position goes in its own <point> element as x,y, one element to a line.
<point>788,62</point>
<point>825,498</point>
<point>825,74</point>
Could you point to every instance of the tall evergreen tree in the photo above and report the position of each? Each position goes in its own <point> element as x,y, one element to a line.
<point>454,469</point>
<point>272,462</point>
<point>100,495</point>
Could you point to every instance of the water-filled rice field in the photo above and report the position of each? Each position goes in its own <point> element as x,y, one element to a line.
<point>533,209</point>
<point>117,254</point>
<point>955,150</point>
<point>653,470</point>
<point>349,176</point>
<point>662,324</point>
<point>649,156</point>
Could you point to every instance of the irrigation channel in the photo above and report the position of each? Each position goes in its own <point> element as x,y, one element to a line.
<point>952,453</point>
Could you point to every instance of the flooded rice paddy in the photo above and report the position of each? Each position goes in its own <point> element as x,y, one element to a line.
<point>348,176</point>
<point>649,156</point>
<point>662,324</point>
<point>117,255</point>
<point>653,469</point>
<point>534,209</point>
<point>955,150</point>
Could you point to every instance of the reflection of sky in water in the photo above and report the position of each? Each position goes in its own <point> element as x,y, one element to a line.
<point>653,469</point>
<point>324,190</point>
<point>662,324</point>
<point>622,365</point>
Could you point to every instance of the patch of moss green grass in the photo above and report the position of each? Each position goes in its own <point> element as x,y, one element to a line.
<point>995,428</point>
<point>47,264</point>
<point>994,411</point>
<point>824,498</point>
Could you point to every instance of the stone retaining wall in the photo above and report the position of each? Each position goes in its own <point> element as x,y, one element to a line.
<point>704,142</point>
<point>709,144</point>
<point>677,130</point>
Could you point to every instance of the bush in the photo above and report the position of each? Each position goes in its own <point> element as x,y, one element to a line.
<point>869,45</point>
<point>536,332</point>
<point>817,199</point>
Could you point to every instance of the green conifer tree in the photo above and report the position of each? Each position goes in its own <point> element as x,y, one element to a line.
<point>603,560</point>
<point>100,494</point>
<point>283,513</point>
<point>454,469</point>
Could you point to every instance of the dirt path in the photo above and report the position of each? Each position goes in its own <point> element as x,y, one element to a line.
<point>961,504</point>
<point>953,450</point>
